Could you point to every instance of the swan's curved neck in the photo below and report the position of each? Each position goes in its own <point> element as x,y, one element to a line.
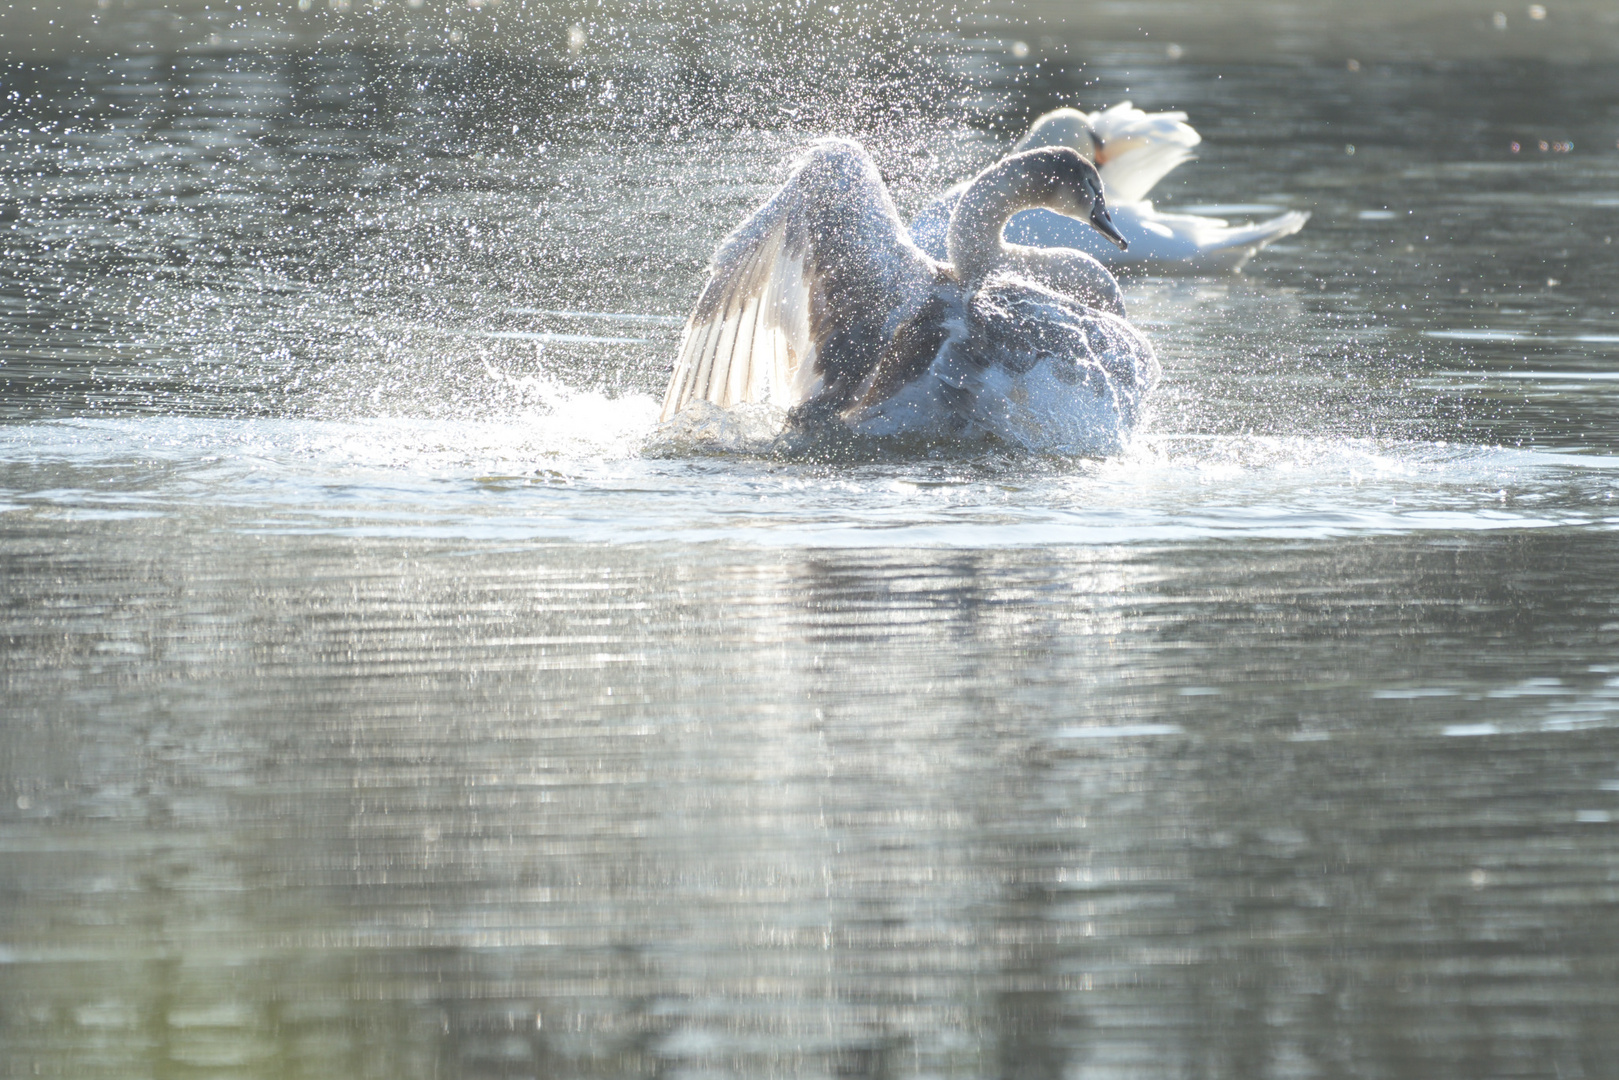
<point>973,242</point>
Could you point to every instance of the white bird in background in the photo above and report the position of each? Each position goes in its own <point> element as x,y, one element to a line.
<point>1133,150</point>
<point>821,304</point>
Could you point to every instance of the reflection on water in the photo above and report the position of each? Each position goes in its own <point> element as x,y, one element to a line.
<point>331,807</point>
<point>385,696</point>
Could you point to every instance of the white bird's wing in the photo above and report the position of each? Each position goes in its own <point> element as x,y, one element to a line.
<point>1139,148</point>
<point>804,296</point>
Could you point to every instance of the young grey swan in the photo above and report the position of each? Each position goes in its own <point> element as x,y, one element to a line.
<point>820,304</point>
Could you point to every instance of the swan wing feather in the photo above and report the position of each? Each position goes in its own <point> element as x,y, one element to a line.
<point>803,297</point>
<point>1141,148</point>
<point>1132,174</point>
<point>1125,121</point>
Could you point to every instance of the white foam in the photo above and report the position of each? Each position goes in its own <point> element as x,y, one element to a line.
<point>577,464</point>
<point>1468,731</point>
<point>705,428</point>
<point>1120,731</point>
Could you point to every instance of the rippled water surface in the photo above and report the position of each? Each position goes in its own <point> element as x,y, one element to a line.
<point>385,695</point>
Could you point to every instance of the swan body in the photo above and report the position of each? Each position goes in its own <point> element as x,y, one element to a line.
<point>821,305</point>
<point>1133,151</point>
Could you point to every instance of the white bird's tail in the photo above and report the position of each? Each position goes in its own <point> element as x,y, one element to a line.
<point>1227,247</point>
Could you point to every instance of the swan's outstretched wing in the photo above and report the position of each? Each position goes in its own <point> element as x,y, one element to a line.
<point>1139,148</point>
<point>805,295</point>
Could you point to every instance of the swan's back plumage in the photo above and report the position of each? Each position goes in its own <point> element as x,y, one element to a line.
<point>805,296</point>
<point>1026,367</point>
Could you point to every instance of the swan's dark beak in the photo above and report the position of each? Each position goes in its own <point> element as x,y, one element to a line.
<point>1104,225</point>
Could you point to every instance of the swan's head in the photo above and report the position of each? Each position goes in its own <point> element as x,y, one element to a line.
<point>1052,177</point>
<point>1070,185</point>
<point>1064,127</point>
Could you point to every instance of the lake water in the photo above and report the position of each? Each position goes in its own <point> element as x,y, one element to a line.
<point>385,696</point>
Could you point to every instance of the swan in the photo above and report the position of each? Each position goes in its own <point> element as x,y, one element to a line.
<point>1133,150</point>
<point>820,304</point>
